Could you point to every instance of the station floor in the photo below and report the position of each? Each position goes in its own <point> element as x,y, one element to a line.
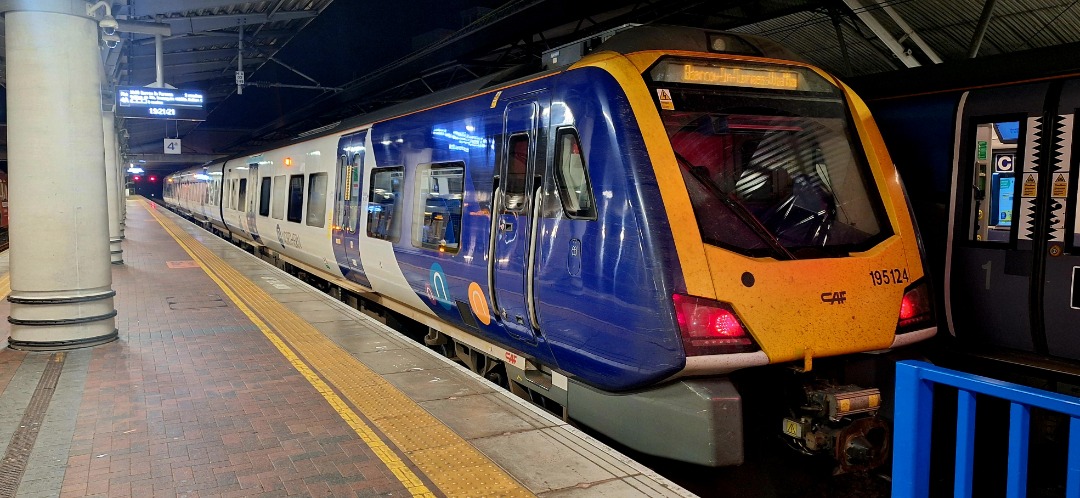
<point>232,378</point>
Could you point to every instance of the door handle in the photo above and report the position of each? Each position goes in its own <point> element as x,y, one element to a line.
<point>506,226</point>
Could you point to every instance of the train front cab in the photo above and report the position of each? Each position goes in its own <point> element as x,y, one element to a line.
<point>1012,277</point>
<point>795,243</point>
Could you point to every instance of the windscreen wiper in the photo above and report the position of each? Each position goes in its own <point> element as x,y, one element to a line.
<point>738,209</point>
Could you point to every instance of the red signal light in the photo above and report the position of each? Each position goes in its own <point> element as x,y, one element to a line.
<point>915,308</point>
<point>153,178</point>
<point>710,327</point>
<point>137,178</point>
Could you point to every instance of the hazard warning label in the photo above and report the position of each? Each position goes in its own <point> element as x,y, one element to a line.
<point>665,99</point>
<point>1061,185</point>
<point>1031,185</point>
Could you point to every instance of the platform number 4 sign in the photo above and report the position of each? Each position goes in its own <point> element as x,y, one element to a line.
<point>172,145</point>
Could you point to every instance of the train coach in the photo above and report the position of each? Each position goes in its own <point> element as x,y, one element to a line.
<point>995,156</point>
<point>634,239</point>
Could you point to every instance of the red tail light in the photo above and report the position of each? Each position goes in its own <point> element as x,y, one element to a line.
<point>710,327</point>
<point>915,308</point>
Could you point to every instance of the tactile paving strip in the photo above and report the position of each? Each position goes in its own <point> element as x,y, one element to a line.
<point>453,465</point>
<point>18,451</point>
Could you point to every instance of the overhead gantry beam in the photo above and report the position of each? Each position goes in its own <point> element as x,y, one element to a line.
<point>980,29</point>
<point>198,24</point>
<point>883,34</point>
<point>910,32</point>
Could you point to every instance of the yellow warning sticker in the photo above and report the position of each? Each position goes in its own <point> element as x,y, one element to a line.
<point>1031,185</point>
<point>665,99</point>
<point>1061,186</point>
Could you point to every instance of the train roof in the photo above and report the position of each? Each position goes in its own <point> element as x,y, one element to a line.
<point>634,39</point>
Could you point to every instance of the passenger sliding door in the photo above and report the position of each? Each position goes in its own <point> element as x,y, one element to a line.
<point>351,153</point>
<point>249,192</point>
<point>1011,253</point>
<point>512,249</point>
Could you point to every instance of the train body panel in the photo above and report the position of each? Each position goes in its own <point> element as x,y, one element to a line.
<point>632,218</point>
<point>295,218</point>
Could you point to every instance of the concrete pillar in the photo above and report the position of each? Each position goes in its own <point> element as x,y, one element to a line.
<point>108,125</point>
<point>61,282</point>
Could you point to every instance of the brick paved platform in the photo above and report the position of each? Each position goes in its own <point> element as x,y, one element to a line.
<point>239,380</point>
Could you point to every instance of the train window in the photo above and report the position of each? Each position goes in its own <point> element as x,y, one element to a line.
<point>993,181</point>
<point>1076,217</point>
<point>342,192</point>
<point>437,223</point>
<point>572,176</point>
<point>242,194</point>
<point>264,197</point>
<point>296,198</point>
<point>517,170</point>
<point>277,204</point>
<point>354,193</point>
<point>316,203</point>
<point>384,203</point>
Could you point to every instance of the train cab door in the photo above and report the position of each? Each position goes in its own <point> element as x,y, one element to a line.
<point>249,192</point>
<point>513,245</point>
<point>1060,295</point>
<point>351,153</point>
<point>1011,252</point>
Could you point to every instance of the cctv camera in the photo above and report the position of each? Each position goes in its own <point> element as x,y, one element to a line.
<point>111,40</point>
<point>108,25</point>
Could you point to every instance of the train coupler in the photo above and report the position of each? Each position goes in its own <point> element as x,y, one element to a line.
<point>840,421</point>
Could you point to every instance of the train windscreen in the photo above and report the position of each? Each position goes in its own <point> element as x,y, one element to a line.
<point>769,159</point>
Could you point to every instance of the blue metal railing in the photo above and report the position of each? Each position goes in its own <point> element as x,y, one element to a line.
<point>913,415</point>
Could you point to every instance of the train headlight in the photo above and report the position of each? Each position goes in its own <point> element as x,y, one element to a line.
<point>710,327</point>
<point>916,310</point>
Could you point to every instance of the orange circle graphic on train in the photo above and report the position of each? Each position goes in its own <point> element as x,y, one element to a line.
<point>478,303</point>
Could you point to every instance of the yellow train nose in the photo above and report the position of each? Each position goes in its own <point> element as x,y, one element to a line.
<point>800,309</point>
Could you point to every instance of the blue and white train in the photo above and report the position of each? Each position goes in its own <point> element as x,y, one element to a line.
<point>632,236</point>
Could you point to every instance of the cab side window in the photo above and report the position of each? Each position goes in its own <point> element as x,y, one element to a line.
<point>572,176</point>
<point>995,186</point>
<point>517,167</point>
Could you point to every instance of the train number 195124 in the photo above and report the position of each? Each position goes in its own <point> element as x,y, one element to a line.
<point>889,276</point>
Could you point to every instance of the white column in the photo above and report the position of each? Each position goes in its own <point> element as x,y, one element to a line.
<point>121,186</point>
<point>116,252</point>
<point>61,282</point>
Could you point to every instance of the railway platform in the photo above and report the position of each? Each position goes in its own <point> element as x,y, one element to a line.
<point>232,378</point>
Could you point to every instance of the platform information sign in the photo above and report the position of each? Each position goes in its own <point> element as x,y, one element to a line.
<point>160,103</point>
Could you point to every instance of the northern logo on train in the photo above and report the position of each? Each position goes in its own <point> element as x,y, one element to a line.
<point>438,289</point>
<point>835,297</point>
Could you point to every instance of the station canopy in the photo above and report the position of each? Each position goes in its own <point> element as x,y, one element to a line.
<point>310,63</point>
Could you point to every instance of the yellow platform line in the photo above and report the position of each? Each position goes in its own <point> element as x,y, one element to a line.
<point>453,465</point>
<point>5,285</point>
